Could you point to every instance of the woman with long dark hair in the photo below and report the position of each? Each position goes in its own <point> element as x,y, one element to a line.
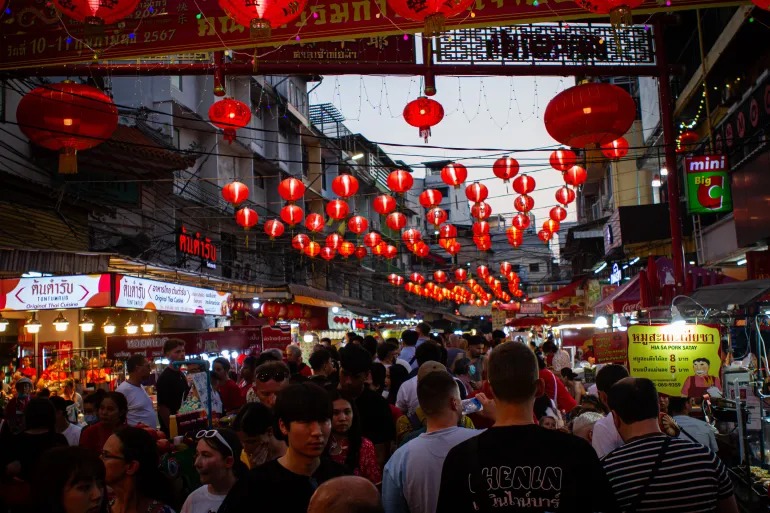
<point>346,444</point>
<point>69,480</point>
<point>112,409</point>
<point>131,459</point>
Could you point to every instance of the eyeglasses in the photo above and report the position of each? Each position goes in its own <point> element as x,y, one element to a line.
<point>277,376</point>
<point>214,434</point>
<point>107,456</point>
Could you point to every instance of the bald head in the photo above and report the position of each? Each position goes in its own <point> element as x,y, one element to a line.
<point>348,494</point>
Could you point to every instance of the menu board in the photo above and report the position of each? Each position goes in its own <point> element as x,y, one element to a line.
<point>680,360</point>
<point>611,347</point>
<point>145,294</point>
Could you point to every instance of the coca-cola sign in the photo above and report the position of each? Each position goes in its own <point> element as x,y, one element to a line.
<point>55,292</point>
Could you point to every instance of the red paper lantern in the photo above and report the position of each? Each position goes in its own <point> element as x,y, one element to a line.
<point>360,252</point>
<point>506,268</point>
<point>480,228</point>
<point>433,13</point>
<point>358,224</point>
<point>396,221</point>
<point>400,181</point>
<point>423,113</point>
<point>551,226</point>
<point>291,189</point>
<point>619,10</point>
<point>379,249</point>
<point>270,309</point>
<point>371,239</point>
<point>411,236</point>
<point>448,231</point>
<point>524,203</point>
<point>315,222</point>
<point>390,251</point>
<point>334,241</point>
<point>417,278</point>
<point>565,195</point>
<point>430,198</point>
<point>520,221</point>
<point>616,149</point>
<point>762,4</point>
<point>589,114</point>
<point>229,115</point>
<point>575,176</point>
<point>544,235</point>
<point>421,250</point>
<point>461,274</point>
<point>454,248</point>
<point>235,193</point>
<point>294,311</point>
<point>345,186</point>
<point>562,160</point>
<point>436,216</point>
<point>505,168</point>
<point>396,280</point>
<point>481,211</point>
<point>439,276</point>
<point>558,213</point>
<point>482,271</point>
<point>476,192</point>
<point>515,236</point>
<point>67,118</point>
<point>483,243</point>
<point>246,217</point>
<point>384,204</point>
<point>454,174</point>
<point>274,228</point>
<point>687,141</point>
<point>262,16</point>
<point>100,12</point>
<point>292,214</point>
<point>312,249</point>
<point>328,253</point>
<point>524,184</point>
<point>347,248</point>
<point>337,209</point>
<point>300,241</point>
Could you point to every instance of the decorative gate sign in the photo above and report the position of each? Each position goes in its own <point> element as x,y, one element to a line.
<point>708,184</point>
<point>55,292</point>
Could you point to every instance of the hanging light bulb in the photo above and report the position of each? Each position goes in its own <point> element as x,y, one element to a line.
<point>656,181</point>
<point>61,323</point>
<point>131,328</point>
<point>33,325</point>
<point>86,324</point>
<point>3,323</point>
<point>108,327</point>
<point>147,325</point>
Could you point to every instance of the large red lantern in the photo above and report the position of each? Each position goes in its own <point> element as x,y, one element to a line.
<point>423,113</point>
<point>520,221</point>
<point>379,249</point>
<point>480,228</point>
<point>544,235</point>
<point>229,115</point>
<point>483,243</point>
<point>433,13</point>
<point>482,271</point>
<point>616,149</point>
<point>337,209</point>
<point>334,240</point>
<point>687,141</point>
<point>506,268</point>
<point>516,235</point>
<point>358,224</point>
<point>551,225</point>
<point>524,203</point>
<point>274,228</point>
<point>454,248</point>
<point>270,309</point>
<point>417,278</point>
<point>558,213</point>
<point>505,168</point>
<point>439,276</point>
<point>565,195</point>
<point>589,114</point>
<point>235,193</point>
<point>292,214</point>
<point>246,217</point>
<point>328,253</point>
<point>411,236</point>
<point>524,184</point>
<point>454,174</point>
<point>371,239</point>
<point>619,10</point>
<point>448,231</point>
<point>291,189</point>
<point>436,216</point>
<point>384,204</point>
<point>312,249</point>
<point>400,181</point>
<point>395,221</point>
<point>300,241</point>
<point>345,186</point>
<point>562,160</point>
<point>481,211</point>
<point>315,222</point>
<point>476,192</point>
<point>347,248</point>
<point>67,117</point>
<point>461,274</point>
<point>391,251</point>
<point>430,198</point>
<point>396,279</point>
<point>97,12</point>
<point>263,15</point>
<point>360,252</point>
<point>575,176</point>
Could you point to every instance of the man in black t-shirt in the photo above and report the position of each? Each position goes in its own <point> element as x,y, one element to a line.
<point>376,420</point>
<point>172,384</point>
<point>517,465</point>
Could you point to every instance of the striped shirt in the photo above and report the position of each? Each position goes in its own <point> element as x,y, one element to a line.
<point>690,478</point>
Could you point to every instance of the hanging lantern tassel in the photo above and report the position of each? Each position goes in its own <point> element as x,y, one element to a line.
<point>68,161</point>
<point>229,135</point>
<point>425,133</point>
<point>259,29</point>
<point>434,25</point>
<point>620,18</point>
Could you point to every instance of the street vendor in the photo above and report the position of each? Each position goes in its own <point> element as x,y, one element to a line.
<point>698,384</point>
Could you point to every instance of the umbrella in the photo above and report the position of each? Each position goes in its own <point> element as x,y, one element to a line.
<point>524,322</point>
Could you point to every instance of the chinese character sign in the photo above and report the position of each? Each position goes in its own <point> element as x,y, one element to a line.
<point>708,184</point>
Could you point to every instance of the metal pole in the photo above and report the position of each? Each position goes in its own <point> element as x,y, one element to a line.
<point>669,142</point>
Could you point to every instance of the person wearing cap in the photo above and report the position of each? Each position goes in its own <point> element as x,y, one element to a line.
<point>14,410</point>
<point>583,425</point>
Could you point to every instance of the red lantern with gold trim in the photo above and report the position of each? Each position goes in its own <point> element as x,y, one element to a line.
<point>292,214</point>
<point>371,239</point>
<point>575,176</point>
<point>476,192</point>
<point>436,216</point>
<point>274,228</point>
<point>558,213</point>
<point>246,218</point>
<point>430,198</point>
<point>100,12</point>
<point>358,224</point>
<point>334,241</point>
<point>400,181</point>
<point>423,113</point>
<point>337,209</point>
<point>235,193</point>
<point>384,204</point>
<point>263,16</point>
<point>562,160</point>
<point>291,189</point>
<point>565,195</point>
<point>345,185</point>
<point>347,248</point>
<point>454,174</point>
<point>505,168</point>
<point>396,221</point>
<point>433,13</point>
<point>312,249</point>
<point>229,115</point>
<point>524,203</point>
<point>616,149</point>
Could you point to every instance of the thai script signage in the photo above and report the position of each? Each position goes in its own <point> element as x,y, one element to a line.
<point>708,184</point>
<point>151,346</point>
<point>680,360</point>
<point>197,245</point>
<point>55,292</point>
<point>144,294</point>
<point>531,308</point>
<point>611,347</point>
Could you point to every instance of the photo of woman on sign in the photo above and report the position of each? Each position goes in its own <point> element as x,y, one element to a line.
<point>699,383</point>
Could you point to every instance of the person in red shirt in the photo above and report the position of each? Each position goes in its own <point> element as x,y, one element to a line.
<point>246,383</point>
<point>232,399</point>
<point>555,389</point>
<point>113,410</point>
<point>294,360</point>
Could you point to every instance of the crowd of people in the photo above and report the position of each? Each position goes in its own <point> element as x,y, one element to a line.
<point>428,423</point>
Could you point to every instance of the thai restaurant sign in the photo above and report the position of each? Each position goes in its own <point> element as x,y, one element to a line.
<point>145,294</point>
<point>680,360</point>
<point>55,292</point>
<point>262,338</point>
<point>151,346</point>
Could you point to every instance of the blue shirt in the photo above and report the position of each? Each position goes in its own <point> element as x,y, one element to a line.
<point>407,354</point>
<point>412,476</point>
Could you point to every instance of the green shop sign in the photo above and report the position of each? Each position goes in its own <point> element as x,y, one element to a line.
<point>708,184</point>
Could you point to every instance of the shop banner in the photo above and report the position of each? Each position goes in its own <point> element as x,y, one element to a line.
<point>144,294</point>
<point>531,308</point>
<point>261,338</point>
<point>708,184</point>
<point>611,347</point>
<point>55,292</point>
<point>35,34</point>
<point>151,346</point>
<point>680,360</point>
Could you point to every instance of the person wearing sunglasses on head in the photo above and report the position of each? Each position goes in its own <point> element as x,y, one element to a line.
<point>269,379</point>
<point>218,462</point>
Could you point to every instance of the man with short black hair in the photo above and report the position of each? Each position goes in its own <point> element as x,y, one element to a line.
<point>517,465</point>
<point>70,431</point>
<point>423,333</point>
<point>322,365</point>
<point>409,346</point>
<point>691,428</point>
<point>477,370</point>
<point>140,410</point>
<point>498,337</point>
<point>326,342</point>
<point>231,396</point>
<point>653,472</point>
<point>606,437</point>
<point>407,395</point>
<point>172,383</point>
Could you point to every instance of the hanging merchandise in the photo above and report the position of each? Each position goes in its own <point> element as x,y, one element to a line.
<point>524,184</point>
<point>616,149</point>
<point>558,213</point>
<point>246,218</point>
<point>562,160</point>
<point>229,115</point>
<point>565,195</point>
<point>235,193</point>
<point>575,176</point>
<point>67,117</point>
<point>315,222</point>
<point>358,224</point>
<point>98,12</point>
<point>423,113</point>
<point>292,214</point>
<point>291,189</point>
<point>347,249</point>
<point>400,181</point>
<point>345,185</point>
<point>436,216</point>
<point>476,192</point>
<point>337,210</point>
<point>505,168</point>
<point>524,203</point>
<point>274,228</point>
<point>396,221</point>
<point>384,204</point>
<point>263,15</point>
<point>481,211</point>
<point>430,198</point>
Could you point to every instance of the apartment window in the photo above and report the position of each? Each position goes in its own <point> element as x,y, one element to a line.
<point>176,81</point>
<point>177,138</point>
<point>534,268</point>
<point>259,182</point>
<point>444,192</point>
